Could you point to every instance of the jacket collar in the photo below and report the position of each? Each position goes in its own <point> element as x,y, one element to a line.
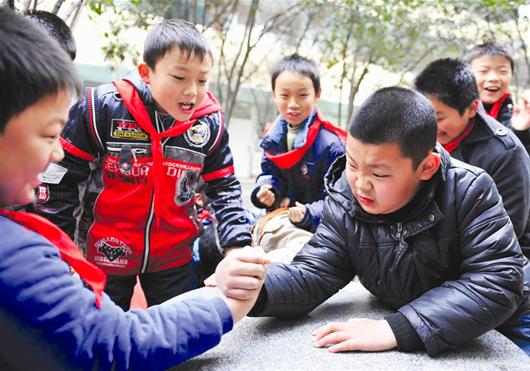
<point>274,141</point>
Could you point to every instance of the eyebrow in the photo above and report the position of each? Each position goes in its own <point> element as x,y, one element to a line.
<point>373,166</point>
<point>186,69</point>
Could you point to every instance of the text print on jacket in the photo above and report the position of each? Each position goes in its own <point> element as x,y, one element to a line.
<point>136,177</point>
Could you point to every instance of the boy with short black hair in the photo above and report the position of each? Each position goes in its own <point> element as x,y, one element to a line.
<point>425,233</point>
<point>135,150</point>
<point>57,29</point>
<point>474,137</point>
<point>49,319</point>
<point>299,147</point>
<point>493,68</point>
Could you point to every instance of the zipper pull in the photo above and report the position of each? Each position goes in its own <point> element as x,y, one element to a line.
<point>399,230</point>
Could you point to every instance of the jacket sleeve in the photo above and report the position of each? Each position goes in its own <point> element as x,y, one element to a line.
<point>314,210</point>
<point>511,173</point>
<point>270,175</point>
<point>489,287</point>
<point>224,191</point>
<point>319,270</point>
<point>48,313</point>
<point>63,181</point>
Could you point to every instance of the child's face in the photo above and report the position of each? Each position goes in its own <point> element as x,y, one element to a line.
<point>450,122</point>
<point>30,141</point>
<point>178,83</point>
<point>380,178</point>
<point>493,75</point>
<point>294,96</point>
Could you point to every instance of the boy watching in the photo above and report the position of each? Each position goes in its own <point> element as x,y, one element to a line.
<point>135,150</point>
<point>493,68</point>
<point>474,137</point>
<point>49,320</point>
<point>299,147</point>
<point>425,233</point>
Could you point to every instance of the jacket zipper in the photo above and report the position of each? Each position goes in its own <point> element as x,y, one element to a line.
<point>147,233</point>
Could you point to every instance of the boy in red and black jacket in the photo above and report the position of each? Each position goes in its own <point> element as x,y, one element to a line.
<point>135,150</point>
<point>493,68</point>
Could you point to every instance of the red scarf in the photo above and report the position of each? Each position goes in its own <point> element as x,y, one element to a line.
<point>288,159</point>
<point>70,253</point>
<point>455,143</point>
<point>137,109</point>
<point>496,108</point>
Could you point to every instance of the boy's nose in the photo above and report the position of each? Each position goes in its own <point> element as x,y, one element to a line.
<point>492,76</point>
<point>362,184</point>
<point>191,90</point>
<point>57,152</point>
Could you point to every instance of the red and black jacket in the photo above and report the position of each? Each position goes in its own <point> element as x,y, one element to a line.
<point>125,188</point>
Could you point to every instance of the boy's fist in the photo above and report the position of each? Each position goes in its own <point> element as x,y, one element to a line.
<point>240,275</point>
<point>265,195</point>
<point>296,213</point>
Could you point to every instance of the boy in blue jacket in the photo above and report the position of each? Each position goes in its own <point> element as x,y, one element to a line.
<point>49,318</point>
<point>425,233</point>
<point>299,147</point>
<point>473,136</point>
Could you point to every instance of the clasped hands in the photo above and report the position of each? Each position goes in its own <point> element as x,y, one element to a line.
<point>267,198</point>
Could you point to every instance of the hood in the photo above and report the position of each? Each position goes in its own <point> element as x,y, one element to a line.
<point>339,190</point>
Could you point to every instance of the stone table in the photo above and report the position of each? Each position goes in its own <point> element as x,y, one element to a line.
<point>280,344</point>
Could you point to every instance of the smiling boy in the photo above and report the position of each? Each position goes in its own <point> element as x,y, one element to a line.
<point>300,146</point>
<point>135,150</point>
<point>474,137</point>
<point>493,68</point>
<point>424,233</point>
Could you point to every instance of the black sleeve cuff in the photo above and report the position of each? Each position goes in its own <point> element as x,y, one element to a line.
<point>258,204</point>
<point>407,339</point>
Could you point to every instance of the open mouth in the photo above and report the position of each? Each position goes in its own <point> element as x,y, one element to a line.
<point>187,106</point>
<point>492,89</point>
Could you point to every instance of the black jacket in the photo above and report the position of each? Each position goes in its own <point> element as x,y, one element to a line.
<point>505,118</point>
<point>495,149</point>
<point>448,262</point>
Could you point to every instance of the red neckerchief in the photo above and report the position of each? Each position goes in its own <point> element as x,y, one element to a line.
<point>455,143</point>
<point>137,109</point>
<point>70,253</point>
<point>288,159</point>
<point>496,108</point>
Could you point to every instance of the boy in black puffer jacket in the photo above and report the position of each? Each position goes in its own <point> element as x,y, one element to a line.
<point>426,234</point>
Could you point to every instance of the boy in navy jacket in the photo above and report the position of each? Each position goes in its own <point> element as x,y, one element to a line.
<point>425,233</point>
<point>135,151</point>
<point>472,136</point>
<point>299,147</point>
<point>49,318</point>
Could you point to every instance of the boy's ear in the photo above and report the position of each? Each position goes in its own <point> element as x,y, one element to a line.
<point>473,108</point>
<point>143,70</point>
<point>317,95</point>
<point>430,165</point>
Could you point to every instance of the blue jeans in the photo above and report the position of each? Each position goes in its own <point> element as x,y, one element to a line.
<point>517,329</point>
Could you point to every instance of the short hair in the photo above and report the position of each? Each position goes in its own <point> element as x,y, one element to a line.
<point>32,66</point>
<point>397,115</point>
<point>490,49</point>
<point>450,81</point>
<point>57,29</point>
<point>299,65</point>
<point>171,33</point>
